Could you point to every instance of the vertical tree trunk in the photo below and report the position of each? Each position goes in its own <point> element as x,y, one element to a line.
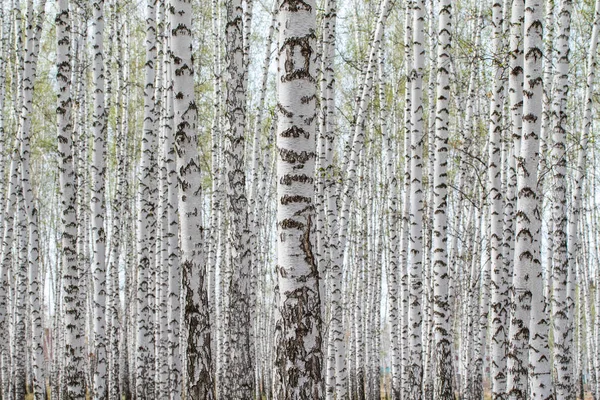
<point>19,339</point>
<point>199,382</point>
<point>145,344</point>
<point>518,332</point>
<point>401,390</point>
<point>298,344</point>
<point>336,372</point>
<point>562,321</point>
<point>528,320</point>
<point>73,320</point>
<point>175,361</point>
<point>97,203</point>
<point>441,308</point>
<point>239,381</point>
<point>6,205</point>
<point>416,206</point>
<point>499,274</point>
<point>113,306</point>
<point>528,268</point>
<point>31,250</point>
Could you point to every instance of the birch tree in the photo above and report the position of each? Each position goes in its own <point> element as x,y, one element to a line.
<point>415,249</point>
<point>197,338</point>
<point>30,252</point>
<point>562,323</point>
<point>299,355</point>
<point>499,278</point>
<point>334,233</point>
<point>528,319</point>
<point>239,383</point>
<point>145,343</point>
<point>73,310</point>
<point>442,352</point>
<point>97,203</point>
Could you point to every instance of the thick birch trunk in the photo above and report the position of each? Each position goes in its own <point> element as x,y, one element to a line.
<point>299,355</point>
<point>199,382</point>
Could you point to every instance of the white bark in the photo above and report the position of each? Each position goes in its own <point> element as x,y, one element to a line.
<point>199,383</point>
<point>97,205</point>
<point>239,382</point>
<point>518,335</point>
<point>33,33</point>
<point>415,248</point>
<point>145,297</point>
<point>499,274</point>
<point>561,313</point>
<point>299,356</point>
<point>441,308</point>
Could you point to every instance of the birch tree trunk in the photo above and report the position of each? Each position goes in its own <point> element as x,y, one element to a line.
<point>200,382</point>
<point>31,249</point>
<point>7,206</point>
<point>528,320</point>
<point>299,357</point>
<point>97,205</point>
<point>337,374</point>
<point>562,322</point>
<point>529,207</point>
<point>74,374</point>
<point>441,307</point>
<point>518,330</point>
<point>145,343</point>
<point>402,391</point>
<point>239,382</point>
<point>499,278</point>
<point>573,229</point>
<point>174,311</point>
<point>415,249</point>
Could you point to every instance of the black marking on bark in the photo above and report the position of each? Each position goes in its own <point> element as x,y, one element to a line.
<point>290,46</point>
<point>295,132</point>
<point>293,157</point>
<point>289,179</point>
<point>295,199</point>
<point>285,112</point>
<point>295,6</point>
<point>289,223</point>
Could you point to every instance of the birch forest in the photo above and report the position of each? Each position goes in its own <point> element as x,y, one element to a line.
<point>299,200</point>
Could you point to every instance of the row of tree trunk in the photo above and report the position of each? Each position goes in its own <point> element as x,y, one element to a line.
<point>298,200</point>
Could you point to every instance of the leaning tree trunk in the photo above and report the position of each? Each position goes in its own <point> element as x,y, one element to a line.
<point>299,355</point>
